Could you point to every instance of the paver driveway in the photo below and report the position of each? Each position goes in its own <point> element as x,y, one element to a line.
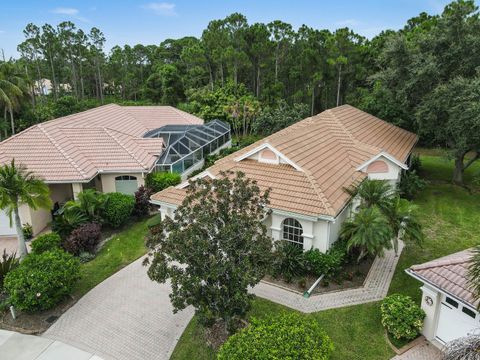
<point>126,317</point>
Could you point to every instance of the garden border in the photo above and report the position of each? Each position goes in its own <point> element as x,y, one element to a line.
<point>375,288</point>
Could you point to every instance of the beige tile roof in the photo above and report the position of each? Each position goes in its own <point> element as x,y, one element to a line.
<point>449,274</point>
<point>328,147</point>
<point>106,138</point>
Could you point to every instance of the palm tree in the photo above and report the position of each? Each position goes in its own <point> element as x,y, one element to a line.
<point>20,186</point>
<point>372,193</point>
<point>368,231</point>
<point>400,214</point>
<point>10,91</point>
<point>474,272</point>
<point>90,203</point>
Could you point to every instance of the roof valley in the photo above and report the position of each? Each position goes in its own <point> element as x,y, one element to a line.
<point>60,149</point>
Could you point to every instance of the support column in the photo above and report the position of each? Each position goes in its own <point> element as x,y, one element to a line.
<point>431,301</point>
<point>76,188</point>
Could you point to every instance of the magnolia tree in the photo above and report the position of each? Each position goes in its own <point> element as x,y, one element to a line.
<point>214,248</point>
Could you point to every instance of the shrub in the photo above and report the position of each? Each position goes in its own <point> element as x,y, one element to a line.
<point>42,280</point>
<point>158,181</point>
<point>8,262</point>
<point>415,163</point>
<point>46,242</point>
<point>84,238</point>
<point>142,202</point>
<point>410,185</point>
<point>402,318</point>
<point>285,336</point>
<point>27,230</point>
<point>328,264</point>
<point>288,261</point>
<point>118,209</point>
<point>66,222</point>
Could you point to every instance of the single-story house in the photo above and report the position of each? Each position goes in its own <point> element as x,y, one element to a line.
<point>447,299</point>
<point>109,148</point>
<point>307,166</point>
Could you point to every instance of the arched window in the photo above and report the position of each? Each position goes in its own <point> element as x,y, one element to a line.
<point>125,177</point>
<point>292,231</point>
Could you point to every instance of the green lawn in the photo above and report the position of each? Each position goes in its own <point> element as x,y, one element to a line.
<point>121,250</point>
<point>450,216</point>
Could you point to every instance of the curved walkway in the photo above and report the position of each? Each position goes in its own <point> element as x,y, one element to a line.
<point>375,288</point>
<point>126,317</point>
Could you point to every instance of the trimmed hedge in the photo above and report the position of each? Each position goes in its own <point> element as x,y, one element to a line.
<point>157,181</point>
<point>46,242</point>
<point>285,336</point>
<point>41,281</point>
<point>84,238</point>
<point>402,318</point>
<point>118,209</point>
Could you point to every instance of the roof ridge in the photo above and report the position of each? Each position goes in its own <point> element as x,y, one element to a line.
<point>350,136</point>
<point>181,113</point>
<point>63,152</point>
<point>319,192</point>
<point>124,147</point>
<point>440,263</point>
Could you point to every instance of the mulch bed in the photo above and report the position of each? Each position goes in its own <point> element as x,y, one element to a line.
<point>217,334</point>
<point>352,275</point>
<point>35,323</point>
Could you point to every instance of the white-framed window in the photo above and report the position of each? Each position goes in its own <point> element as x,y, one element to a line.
<point>292,231</point>
<point>125,178</point>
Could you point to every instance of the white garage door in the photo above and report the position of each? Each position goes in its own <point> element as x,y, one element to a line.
<point>126,184</point>
<point>456,320</point>
<point>5,228</point>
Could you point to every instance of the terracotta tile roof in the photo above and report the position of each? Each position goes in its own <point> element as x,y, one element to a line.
<point>328,148</point>
<point>449,274</point>
<point>109,138</point>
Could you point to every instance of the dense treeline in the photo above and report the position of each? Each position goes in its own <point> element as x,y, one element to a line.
<point>262,77</point>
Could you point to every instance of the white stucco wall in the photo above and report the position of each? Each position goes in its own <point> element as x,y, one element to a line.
<point>431,311</point>
<point>315,232</point>
<point>336,225</point>
<point>392,176</point>
<point>108,181</point>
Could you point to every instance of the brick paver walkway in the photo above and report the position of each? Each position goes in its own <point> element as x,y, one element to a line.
<point>126,317</point>
<point>423,351</point>
<point>375,288</point>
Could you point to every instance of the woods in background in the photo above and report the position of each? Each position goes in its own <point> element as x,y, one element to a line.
<point>261,77</point>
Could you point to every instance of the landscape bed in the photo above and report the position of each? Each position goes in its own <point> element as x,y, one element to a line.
<point>122,247</point>
<point>450,216</point>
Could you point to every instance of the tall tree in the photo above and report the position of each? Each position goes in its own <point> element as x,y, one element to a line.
<point>214,248</point>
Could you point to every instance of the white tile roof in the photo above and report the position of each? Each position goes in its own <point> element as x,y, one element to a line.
<point>106,138</point>
<point>328,148</point>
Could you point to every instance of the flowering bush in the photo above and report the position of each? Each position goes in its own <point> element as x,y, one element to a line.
<point>402,318</point>
<point>42,280</point>
<point>285,336</point>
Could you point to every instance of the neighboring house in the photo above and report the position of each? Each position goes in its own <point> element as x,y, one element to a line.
<point>307,166</point>
<point>109,148</point>
<point>447,299</point>
<point>45,87</point>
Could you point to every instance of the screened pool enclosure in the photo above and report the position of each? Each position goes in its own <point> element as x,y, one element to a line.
<point>187,145</point>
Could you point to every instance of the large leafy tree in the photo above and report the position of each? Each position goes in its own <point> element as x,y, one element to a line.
<point>451,114</point>
<point>20,186</point>
<point>214,248</point>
